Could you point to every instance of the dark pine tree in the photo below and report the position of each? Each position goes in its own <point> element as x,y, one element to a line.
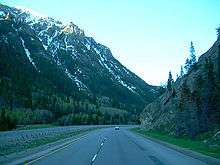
<point>192,54</point>
<point>191,61</point>
<point>170,81</point>
<point>218,62</point>
<point>207,101</point>
<point>218,32</point>
<point>181,71</point>
<point>187,65</point>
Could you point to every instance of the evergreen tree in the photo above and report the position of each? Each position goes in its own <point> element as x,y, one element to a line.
<point>170,81</point>
<point>218,32</point>
<point>207,96</point>
<point>191,61</point>
<point>192,54</point>
<point>161,89</point>
<point>177,76</point>
<point>7,122</point>
<point>212,94</point>
<point>181,71</point>
<point>183,111</point>
<point>218,65</point>
<point>187,65</point>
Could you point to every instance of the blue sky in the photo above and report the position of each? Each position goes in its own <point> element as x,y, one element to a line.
<point>150,37</point>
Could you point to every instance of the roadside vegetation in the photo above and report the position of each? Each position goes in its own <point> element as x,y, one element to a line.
<point>63,113</point>
<point>21,141</point>
<point>23,104</point>
<point>201,144</point>
<point>34,126</point>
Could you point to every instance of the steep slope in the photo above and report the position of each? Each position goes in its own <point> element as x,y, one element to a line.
<point>193,104</point>
<point>45,51</point>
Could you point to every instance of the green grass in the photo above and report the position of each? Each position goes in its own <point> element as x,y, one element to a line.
<point>35,126</point>
<point>47,140</point>
<point>184,142</point>
<point>43,141</point>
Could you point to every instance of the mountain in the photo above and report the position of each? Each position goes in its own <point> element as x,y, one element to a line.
<point>192,106</point>
<point>41,55</point>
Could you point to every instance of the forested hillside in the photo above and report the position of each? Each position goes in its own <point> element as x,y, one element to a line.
<point>191,105</point>
<point>53,72</point>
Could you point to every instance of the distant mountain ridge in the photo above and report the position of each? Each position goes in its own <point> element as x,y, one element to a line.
<point>63,57</point>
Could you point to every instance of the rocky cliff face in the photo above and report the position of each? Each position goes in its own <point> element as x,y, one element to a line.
<point>62,56</point>
<point>192,106</point>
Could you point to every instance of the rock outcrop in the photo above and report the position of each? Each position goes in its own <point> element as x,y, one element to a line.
<point>192,106</point>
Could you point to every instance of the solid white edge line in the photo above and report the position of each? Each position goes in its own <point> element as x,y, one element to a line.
<point>56,150</point>
<point>94,157</point>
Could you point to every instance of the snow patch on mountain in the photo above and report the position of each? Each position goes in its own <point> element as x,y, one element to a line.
<point>57,37</point>
<point>103,62</point>
<point>27,52</point>
<point>68,45</point>
<point>87,46</point>
<point>126,70</point>
<point>87,43</point>
<point>132,88</point>
<point>79,84</point>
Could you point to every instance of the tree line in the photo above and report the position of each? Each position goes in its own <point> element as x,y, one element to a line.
<point>198,108</point>
<point>23,103</point>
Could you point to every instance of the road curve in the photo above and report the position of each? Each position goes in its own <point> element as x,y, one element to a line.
<point>116,147</point>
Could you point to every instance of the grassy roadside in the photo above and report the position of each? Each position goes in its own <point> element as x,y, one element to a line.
<point>184,142</point>
<point>42,141</point>
<point>35,126</point>
<point>47,140</point>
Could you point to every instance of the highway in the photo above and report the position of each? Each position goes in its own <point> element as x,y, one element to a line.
<point>116,147</point>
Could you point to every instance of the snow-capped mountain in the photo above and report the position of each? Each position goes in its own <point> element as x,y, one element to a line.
<point>63,55</point>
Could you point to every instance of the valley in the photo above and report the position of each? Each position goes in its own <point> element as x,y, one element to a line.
<point>67,98</point>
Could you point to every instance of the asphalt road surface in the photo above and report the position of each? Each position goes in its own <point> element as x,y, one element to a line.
<point>116,147</point>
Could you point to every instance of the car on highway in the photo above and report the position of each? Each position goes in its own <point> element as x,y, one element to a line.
<point>116,128</point>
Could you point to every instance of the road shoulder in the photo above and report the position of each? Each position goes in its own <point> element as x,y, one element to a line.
<point>193,154</point>
<point>39,152</point>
